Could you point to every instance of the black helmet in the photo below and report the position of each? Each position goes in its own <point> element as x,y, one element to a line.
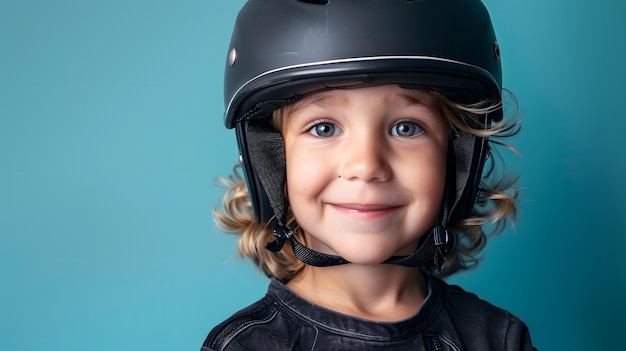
<point>282,49</point>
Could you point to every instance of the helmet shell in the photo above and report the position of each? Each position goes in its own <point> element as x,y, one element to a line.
<point>281,48</point>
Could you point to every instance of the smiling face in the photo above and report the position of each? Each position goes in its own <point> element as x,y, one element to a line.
<point>366,170</point>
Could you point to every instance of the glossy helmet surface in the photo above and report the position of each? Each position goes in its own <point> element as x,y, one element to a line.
<point>282,49</point>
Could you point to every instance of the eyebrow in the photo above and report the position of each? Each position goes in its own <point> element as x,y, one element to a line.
<point>422,99</point>
<point>321,100</point>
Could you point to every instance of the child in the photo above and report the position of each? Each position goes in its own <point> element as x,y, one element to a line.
<point>364,127</point>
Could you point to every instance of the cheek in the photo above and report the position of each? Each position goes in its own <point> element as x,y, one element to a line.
<point>306,178</point>
<point>302,168</point>
<point>426,180</point>
<point>437,181</point>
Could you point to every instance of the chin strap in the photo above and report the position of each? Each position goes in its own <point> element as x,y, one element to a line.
<point>432,251</point>
<point>283,232</point>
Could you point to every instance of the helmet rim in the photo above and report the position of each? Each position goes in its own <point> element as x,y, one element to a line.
<point>458,81</point>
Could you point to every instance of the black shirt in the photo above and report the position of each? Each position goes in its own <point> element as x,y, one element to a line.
<point>449,319</point>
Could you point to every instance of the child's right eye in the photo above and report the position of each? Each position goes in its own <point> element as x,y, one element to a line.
<point>325,130</point>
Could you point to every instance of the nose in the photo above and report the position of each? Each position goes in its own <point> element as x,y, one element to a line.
<point>366,158</point>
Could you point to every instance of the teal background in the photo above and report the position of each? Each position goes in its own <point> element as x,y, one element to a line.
<point>111,140</point>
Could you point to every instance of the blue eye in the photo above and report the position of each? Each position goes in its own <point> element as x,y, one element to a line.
<point>406,129</point>
<point>325,130</point>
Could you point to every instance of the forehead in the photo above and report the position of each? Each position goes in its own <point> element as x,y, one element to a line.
<point>387,94</point>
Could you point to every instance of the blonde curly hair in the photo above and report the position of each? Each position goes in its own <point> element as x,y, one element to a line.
<point>495,206</point>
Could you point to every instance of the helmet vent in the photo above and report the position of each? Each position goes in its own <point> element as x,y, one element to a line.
<point>317,2</point>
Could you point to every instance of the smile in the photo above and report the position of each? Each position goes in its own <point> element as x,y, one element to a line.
<point>360,211</point>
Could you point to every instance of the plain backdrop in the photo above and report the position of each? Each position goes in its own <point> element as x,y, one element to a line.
<point>111,138</point>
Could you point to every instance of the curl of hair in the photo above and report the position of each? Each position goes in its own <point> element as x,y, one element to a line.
<point>495,206</point>
<point>237,218</point>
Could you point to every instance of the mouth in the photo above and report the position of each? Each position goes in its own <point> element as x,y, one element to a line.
<point>365,211</point>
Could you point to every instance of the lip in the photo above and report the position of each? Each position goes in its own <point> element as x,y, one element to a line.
<point>365,211</point>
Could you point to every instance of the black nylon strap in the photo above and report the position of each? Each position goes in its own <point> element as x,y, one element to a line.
<point>432,251</point>
<point>423,256</point>
<point>427,254</point>
<point>314,258</point>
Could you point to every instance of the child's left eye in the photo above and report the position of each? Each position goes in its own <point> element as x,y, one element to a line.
<point>406,129</point>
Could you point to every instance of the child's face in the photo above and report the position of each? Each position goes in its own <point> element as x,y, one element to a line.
<point>366,170</point>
